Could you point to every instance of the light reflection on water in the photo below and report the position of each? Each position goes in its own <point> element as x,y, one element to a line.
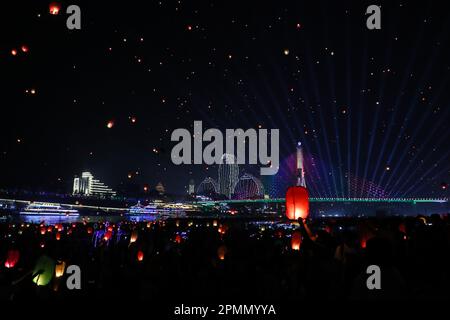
<point>17,218</point>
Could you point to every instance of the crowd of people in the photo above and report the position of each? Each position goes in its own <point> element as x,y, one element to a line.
<point>217,259</point>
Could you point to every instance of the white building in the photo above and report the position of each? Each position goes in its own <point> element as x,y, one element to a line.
<point>89,186</point>
<point>228,175</point>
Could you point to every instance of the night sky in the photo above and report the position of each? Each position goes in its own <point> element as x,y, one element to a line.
<point>370,106</point>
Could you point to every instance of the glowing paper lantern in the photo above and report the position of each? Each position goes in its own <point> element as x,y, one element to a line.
<point>221,252</point>
<point>59,269</point>
<point>107,236</point>
<point>43,271</point>
<point>89,230</point>
<point>134,236</point>
<point>54,8</point>
<point>24,49</point>
<point>297,203</point>
<point>14,52</point>
<point>12,257</point>
<point>110,124</point>
<point>58,236</point>
<point>43,230</point>
<point>178,238</point>
<point>140,255</point>
<point>296,240</point>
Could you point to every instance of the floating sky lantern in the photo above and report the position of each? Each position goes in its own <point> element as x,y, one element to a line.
<point>12,257</point>
<point>60,267</point>
<point>107,236</point>
<point>221,252</point>
<point>110,124</point>
<point>54,8</point>
<point>296,240</point>
<point>14,52</point>
<point>134,236</point>
<point>58,236</point>
<point>43,271</point>
<point>89,230</point>
<point>297,203</point>
<point>43,230</point>
<point>178,239</point>
<point>140,256</point>
<point>24,48</point>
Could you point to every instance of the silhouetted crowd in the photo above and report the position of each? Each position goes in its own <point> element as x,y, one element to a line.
<point>216,259</point>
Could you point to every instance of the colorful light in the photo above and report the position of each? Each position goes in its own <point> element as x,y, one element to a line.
<point>54,8</point>
<point>12,257</point>
<point>296,240</point>
<point>43,271</point>
<point>221,252</point>
<point>297,203</point>
<point>110,124</point>
<point>59,269</point>
<point>24,49</point>
<point>140,256</point>
<point>14,52</point>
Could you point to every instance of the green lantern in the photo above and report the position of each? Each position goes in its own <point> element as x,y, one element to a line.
<point>43,270</point>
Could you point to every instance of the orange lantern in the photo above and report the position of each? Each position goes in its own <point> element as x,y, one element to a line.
<point>43,230</point>
<point>221,252</point>
<point>297,203</point>
<point>59,269</point>
<point>140,255</point>
<point>296,240</point>
<point>89,230</point>
<point>178,238</point>
<point>12,258</point>
<point>54,8</point>
<point>58,236</point>
<point>134,236</point>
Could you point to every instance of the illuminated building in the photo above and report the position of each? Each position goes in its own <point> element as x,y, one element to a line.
<point>89,186</point>
<point>248,187</point>
<point>228,174</point>
<point>208,186</point>
<point>191,187</point>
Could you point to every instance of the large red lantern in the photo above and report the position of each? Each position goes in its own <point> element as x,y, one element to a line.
<point>12,258</point>
<point>297,203</point>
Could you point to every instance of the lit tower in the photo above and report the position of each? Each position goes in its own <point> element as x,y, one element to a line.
<point>300,166</point>
<point>228,174</point>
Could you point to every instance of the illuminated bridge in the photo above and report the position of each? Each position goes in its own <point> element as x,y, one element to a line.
<point>367,200</point>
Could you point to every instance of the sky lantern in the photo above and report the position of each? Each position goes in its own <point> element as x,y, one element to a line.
<point>296,240</point>
<point>24,49</point>
<point>54,8</point>
<point>43,271</point>
<point>178,239</point>
<point>43,230</point>
<point>12,257</point>
<point>89,230</point>
<point>58,236</point>
<point>110,124</point>
<point>140,256</point>
<point>221,252</point>
<point>14,52</point>
<point>107,236</point>
<point>60,267</point>
<point>297,203</point>
<point>134,236</point>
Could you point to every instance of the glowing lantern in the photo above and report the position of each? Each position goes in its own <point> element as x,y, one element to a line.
<point>14,52</point>
<point>59,269</point>
<point>140,255</point>
<point>107,235</point>
<point>221,252</point>
<point>12,258</point>
<point>24,49</point>
<point>297,203</point>
<point>43,271</point>
<point>215,223</point>
<point>43,230</point>
<point>110,124</point>
<point>110,229</point>
<point>178,238</point>
<point>49,229</point>
<point>134,236</point>
<point>402,228</point>
<point>58,236</point>
<point>54,8</point>
<point>296,240</point>
<point>89,230</point>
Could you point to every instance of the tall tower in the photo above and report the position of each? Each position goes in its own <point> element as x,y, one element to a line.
<point>228,174</point>
<point>300,166</point>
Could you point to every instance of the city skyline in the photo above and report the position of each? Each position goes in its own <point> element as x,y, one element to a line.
<point>371,107</point>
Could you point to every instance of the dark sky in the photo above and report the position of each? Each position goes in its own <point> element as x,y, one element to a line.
<point>371,107</point>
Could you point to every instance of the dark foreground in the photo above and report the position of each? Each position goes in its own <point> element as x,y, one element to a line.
<point>215,260</point>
